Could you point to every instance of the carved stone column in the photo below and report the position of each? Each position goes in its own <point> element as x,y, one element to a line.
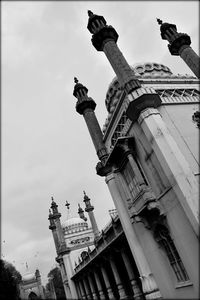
<point>107,283</point>
<point>82,290</point>
<point>121,291</point>
<point>94,295</point>
<point>87,289</point>
<point>119,198</point>
<point>135,287</point>
<point>99,286</point>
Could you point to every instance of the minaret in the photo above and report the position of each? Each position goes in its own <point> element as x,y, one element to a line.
<point>104,38</point>
<point>52,227</point>
<point>85,106</point>
<point>179,44</point>
<point>81,213</point>
<point>89,209</point>
<point>56,217</point>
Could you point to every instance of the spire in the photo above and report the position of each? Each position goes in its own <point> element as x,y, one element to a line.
<point>88,205</point>
<point>67,204</point>
<point>75,80</point>
<point>159,21</point>
<point>81,213</point>
<point>90,13</point>
<point>54,206</point>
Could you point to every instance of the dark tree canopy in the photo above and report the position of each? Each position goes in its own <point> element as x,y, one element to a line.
<point>55,276</point>
<point>9,279</point>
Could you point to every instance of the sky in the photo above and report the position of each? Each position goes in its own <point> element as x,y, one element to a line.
<point>46,149</point>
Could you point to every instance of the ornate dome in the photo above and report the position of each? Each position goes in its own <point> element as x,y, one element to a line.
<point>147,70</point>
<point>28,277</point>
<point>74,225</point>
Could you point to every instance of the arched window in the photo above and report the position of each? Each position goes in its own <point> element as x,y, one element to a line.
<point>32,296</point>
<point>163,237</point>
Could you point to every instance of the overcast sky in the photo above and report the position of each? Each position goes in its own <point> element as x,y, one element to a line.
<point>46,147</point>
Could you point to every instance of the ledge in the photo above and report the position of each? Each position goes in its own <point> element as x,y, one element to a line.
<point>183,284</point>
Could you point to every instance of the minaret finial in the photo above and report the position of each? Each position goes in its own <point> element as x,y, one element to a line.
<point>90,13</point>
<point>67,204</point>
<point>75,80</point>
<point>159,21</point>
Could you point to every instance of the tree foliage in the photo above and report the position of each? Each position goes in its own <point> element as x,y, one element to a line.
<point>55,276</point>
<point>9,279</point>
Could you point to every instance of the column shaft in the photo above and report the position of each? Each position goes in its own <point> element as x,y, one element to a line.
<point>119,198</point>
<point>93,223</point>
<point>191,59</point>
<point>120,66</point>
<point>87,289</point>
<point>135,287</point>
<point>121,291</point>
<point>69,269</point>
<point>99,286</point>
<point>107,283</point>
<point>83,294</point>
<point>95,132</point>
<point>94,295</point>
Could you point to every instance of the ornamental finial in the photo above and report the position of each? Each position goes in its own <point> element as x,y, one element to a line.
<point>67,204</point>
<point>159,21</point>
<point>90,13</point>
<point>52,199</point>
<point>75,80</point>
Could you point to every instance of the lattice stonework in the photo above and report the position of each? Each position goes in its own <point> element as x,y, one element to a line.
<point>119,129</point>
<point>178,95</point>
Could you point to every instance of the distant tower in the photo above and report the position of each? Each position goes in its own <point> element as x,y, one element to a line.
<point>89,209</point>
<point>179,44</point>
<point>52,227</point>
<point>63,251</point>
<point>81,213</point>
<point>56,217</point>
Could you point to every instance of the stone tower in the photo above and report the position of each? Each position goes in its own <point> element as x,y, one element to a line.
<point>147,168</point>
<point>179,44</point>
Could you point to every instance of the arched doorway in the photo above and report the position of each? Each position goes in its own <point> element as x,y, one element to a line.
<point>32,296</point>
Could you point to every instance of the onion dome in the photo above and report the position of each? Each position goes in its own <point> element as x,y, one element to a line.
<point>28,277</point>
<point>73,225</point>
<point>79,87</point>
<point>95,21</point>
<point>164,27</point>
<point>141,70</point>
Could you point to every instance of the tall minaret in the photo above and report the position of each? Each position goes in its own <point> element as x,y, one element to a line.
<point>81,213</point>
<point>52,227</point>
<point>56,217</point>
<point>179,44</point>
<point>85,106</point>
<point>104,39</point>
<point>89,209</point>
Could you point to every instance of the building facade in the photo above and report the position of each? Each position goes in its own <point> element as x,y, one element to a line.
<point>31,286</point>
<point>73,239</point>
<point>148,153</point>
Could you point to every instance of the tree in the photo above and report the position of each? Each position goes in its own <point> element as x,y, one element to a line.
<point>9,279</point>
<point>55,276</point>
